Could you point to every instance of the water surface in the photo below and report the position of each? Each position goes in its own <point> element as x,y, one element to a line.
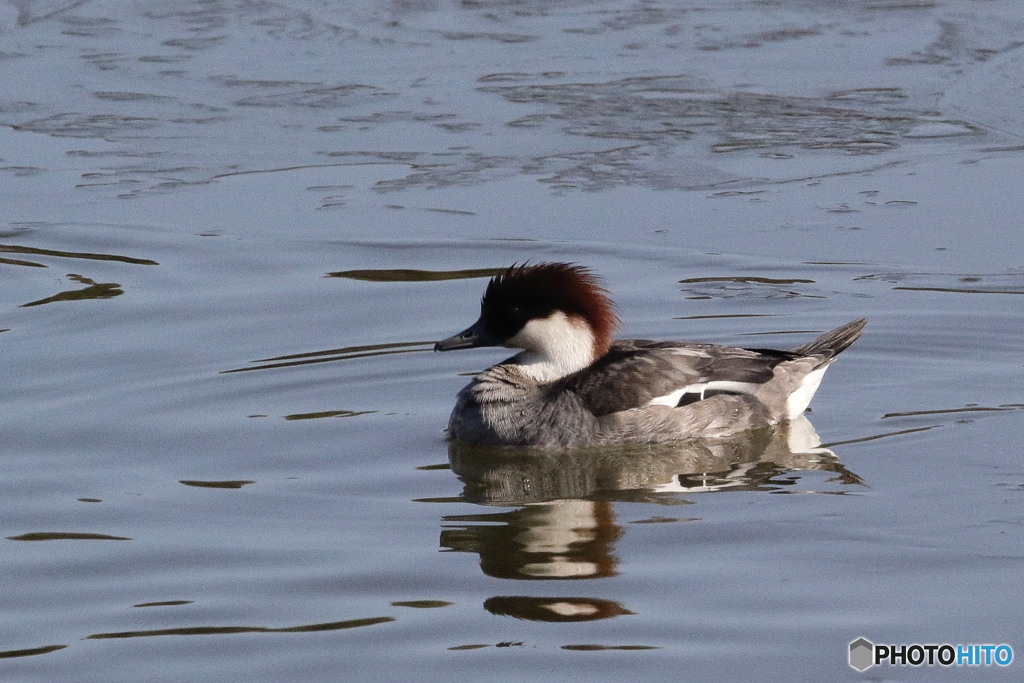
<point>232,231</point>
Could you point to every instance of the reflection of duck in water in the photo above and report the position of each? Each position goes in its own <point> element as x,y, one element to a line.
<point>495,475</point>
<point>565,525</point>
<point>554,609</point>
<point>573,386</point>
<point>564,539</point>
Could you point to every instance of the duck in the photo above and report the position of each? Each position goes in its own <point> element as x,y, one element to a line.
<point>572,385</point>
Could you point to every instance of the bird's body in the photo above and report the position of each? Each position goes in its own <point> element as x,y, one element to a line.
<point>572,386</point>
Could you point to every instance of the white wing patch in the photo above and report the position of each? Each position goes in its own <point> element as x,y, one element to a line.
<point>684,351</point>
<point>672,400</point>
<point>732,387</point>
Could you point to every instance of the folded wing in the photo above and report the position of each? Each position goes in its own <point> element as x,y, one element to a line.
<point>637,373</point>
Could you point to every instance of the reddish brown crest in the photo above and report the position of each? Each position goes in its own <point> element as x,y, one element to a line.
<point>528,291</point>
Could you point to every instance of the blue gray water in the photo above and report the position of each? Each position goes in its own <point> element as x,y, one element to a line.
<point>230,232</point>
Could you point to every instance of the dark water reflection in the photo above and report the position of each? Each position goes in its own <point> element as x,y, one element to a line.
<point>92,290</point>
<point>18,249</point>
<point>227,630</point>
<point>409,275</point>
<point>346,353</point>
<point>565,524</point>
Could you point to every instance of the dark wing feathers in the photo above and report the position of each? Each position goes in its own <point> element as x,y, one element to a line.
<point>631,374</point>
<point>744,365</point>
<point>634,372</point>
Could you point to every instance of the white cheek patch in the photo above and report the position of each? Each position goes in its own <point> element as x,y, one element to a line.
<point>554,347</point>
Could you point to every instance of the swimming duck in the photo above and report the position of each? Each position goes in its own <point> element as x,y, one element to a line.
<point>572,385</point>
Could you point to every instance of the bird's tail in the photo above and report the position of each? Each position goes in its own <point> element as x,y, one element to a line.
<point>831,344</point>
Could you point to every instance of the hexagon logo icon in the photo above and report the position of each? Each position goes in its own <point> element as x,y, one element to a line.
<point>862,654</point>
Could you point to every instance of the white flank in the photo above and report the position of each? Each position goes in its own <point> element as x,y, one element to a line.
<point>798,401</point>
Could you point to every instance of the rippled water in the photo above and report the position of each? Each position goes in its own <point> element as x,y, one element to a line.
<point>231,232</point>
